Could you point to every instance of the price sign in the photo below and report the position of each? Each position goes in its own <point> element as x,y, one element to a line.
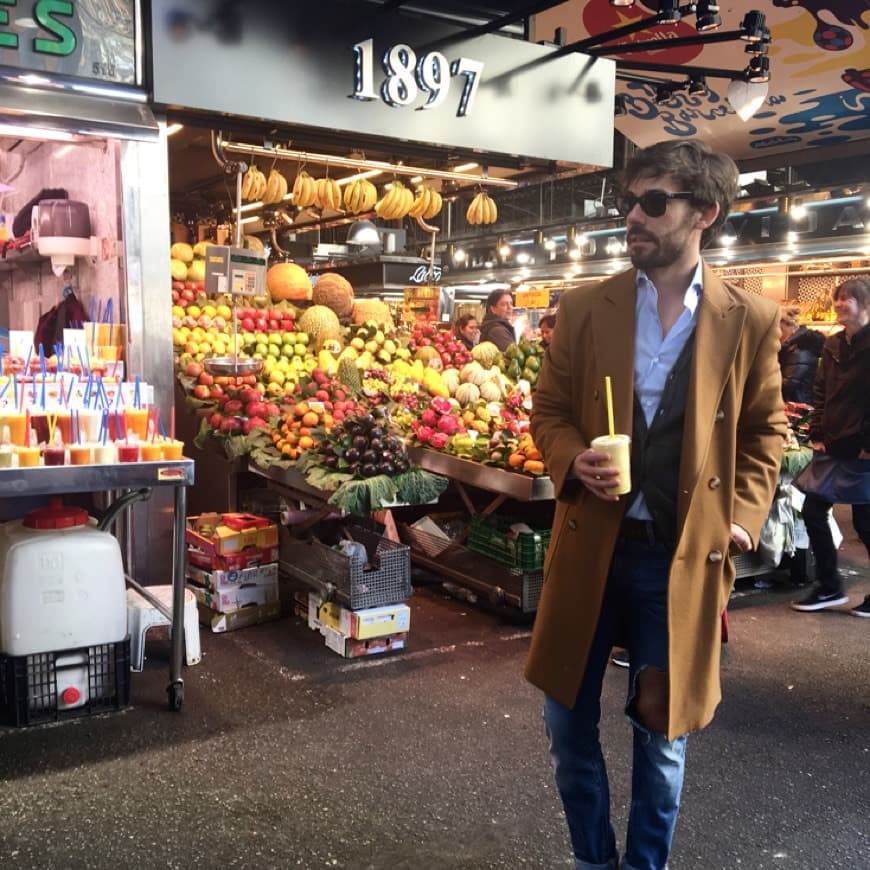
<point>533,298</point>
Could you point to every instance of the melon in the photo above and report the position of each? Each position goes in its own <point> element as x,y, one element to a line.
<point>196,271</point>
<point>426,354</point>
<point>179,270</point>
<point>199,247</point>
<point>321,324</point>
<point>181,251</point>
<point>287,281</point>
<point>373,309</point>
<point>334,291</point>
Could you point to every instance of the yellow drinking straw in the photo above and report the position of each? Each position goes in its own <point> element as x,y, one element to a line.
<point>51,419</point>
<point>609,393</point>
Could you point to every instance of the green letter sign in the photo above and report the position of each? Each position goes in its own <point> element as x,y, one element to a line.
<point>65,44</point>
<point>7,40</point>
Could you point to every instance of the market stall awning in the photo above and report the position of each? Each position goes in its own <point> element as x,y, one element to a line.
<point>83,113</point>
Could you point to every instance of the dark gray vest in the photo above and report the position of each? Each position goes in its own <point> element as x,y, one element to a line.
<point>655,450</point>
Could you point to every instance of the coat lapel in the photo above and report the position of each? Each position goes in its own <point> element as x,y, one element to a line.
<point>613,328</point>
<point>720,325</point>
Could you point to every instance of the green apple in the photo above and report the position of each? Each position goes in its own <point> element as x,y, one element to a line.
<point>287,350</point>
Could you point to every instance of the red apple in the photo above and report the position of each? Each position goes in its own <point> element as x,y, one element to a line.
<point>201,391</point>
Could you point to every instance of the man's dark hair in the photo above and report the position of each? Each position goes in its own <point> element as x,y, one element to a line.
<point>857,288</point>
<point>494,297</point>
<point>547,320</point>
<point>710,176</point>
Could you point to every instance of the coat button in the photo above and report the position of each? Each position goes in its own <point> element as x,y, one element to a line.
<point>720,415</point>
<point>714,556</point>
<point>572,524</point>
<point>714,483</point>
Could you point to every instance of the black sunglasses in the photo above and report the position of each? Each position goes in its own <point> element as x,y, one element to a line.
<point>653,202</point>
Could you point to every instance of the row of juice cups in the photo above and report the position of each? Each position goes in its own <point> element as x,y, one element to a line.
<point>91,454</point>
<point>135,421</point>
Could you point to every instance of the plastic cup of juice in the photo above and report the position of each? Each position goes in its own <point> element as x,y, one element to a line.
<point>619,448</point>
<point>152,451</point>
<point>6,454</point>
<point>52,455</point>
<point>39,424</point>
<point>137,421</point>
<point>173,449</point>
<point>80,454</point>
<point>63,423</point>
<point>16,423</point>
<point>128,451</point>
<point>27,456</point>
<point>91,421</point>
<point>104,454</point>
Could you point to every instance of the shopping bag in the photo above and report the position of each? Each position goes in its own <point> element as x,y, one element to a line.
<point>839,481</point>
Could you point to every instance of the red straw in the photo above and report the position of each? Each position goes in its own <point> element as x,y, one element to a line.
<point>154,414</point>
<point>115,368</point>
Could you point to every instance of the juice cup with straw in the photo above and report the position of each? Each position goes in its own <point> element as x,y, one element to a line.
<point>27,456</point>
<point>137,421</point>
<point>105,454</point>
<point>80,454</point>
<point>90,420</point>
<point>617,446</point>
<point>151,451</point>
<point>128,451</point>
<point>173,449</point>
<point>6,451</point>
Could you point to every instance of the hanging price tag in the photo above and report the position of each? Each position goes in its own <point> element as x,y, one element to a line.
<point>533,298</point>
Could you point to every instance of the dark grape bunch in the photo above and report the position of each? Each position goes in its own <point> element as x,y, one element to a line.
<point>364,447</point>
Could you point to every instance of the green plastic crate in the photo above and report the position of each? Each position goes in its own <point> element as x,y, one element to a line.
<point>492,536</point>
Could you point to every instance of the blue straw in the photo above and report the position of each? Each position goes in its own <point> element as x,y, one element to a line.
<point>27,361</point>
<point>160,426</point>
<point>6,387</point>
<point>88,358</point>
<point>137,401</point>
<point>72,384</point>
<point>104,427</point>
<point>87,398</point>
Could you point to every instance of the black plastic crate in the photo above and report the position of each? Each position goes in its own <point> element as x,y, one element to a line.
<point>523,551</point>
<point>30,685</point>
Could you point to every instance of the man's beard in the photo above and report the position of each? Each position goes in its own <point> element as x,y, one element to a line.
<point>661,252</point>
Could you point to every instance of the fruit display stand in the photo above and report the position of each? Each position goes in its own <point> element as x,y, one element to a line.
<point>117,480</point>
<point>513,583</point>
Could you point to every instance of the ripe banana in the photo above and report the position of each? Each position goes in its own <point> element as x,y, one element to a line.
<point>421,203</point>
<point>276,188</point>
<point>304,190</point>
<point>396,202</point>
<point>253,184</point>
<point>327,194</point>
<point>360,196</point>
<point>370,195</point>
<point>482,210</point>
<point>435,203</point>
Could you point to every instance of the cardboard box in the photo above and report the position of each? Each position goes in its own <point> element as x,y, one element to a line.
<point>358,624</point>
<point>253,615</point>
<point>237,597</point>
<point>224,534</point>
<point>351,648</point>
<point>220,581</point>
<point>249,558</point>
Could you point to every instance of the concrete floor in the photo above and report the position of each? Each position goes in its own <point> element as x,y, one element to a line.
<point>287,756</point>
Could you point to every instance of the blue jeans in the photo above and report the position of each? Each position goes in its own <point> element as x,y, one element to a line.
<point>634,613</point>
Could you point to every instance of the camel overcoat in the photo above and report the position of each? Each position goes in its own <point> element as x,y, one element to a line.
<point>732,447</point>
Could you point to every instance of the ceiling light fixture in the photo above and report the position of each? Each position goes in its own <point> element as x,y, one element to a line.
<point>698,85</point>
<point>708,18</point>
<point>622,3</point>
<point>669,12</point>
<point>504,251</point>
<point>753,27</point>
<point>464,167</point>
<point>172,129</point>
<point>758,69</point>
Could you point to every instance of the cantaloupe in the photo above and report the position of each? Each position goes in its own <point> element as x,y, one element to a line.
<point>321,324</point>
<point>181,251</point>
<point>334,291</point>
<point>196,270</point>
<point>373,309</point>
<point>179,269</point>
<point>287,281</point>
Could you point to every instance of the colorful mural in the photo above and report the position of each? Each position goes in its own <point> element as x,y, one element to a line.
<point>819,90</point>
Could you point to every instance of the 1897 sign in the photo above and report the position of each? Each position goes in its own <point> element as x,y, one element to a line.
<point>406,76</point>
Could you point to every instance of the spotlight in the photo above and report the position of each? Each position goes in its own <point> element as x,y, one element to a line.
<point>459,256</point>
<point>759,47</point>
<point>669,12</point>
<point>698,85</point>
<point>550,244</point>
<point>758,70</point>
<point>708,16</point>
<point>798,211</point>
<point>523,258</point>
<point>753,27</point>
<point>504,251</point>
<point>622,2</point>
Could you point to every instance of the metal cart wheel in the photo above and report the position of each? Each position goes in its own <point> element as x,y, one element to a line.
<point>176,696</point>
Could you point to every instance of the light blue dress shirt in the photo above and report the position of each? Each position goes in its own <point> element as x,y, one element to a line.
<point>655,354</point>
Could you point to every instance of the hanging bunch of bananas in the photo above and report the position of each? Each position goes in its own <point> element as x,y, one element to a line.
<point>327,194</point>
<point>276,188</point>
<point>304,190</point>
<point>254,184</point>
<point>360,196</point>
<point>395,203</point>
<point>427,204</point>
<point>482,210</point>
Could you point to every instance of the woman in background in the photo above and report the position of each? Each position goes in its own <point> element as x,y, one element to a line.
<point>546,325</point>
<point>467,330</point>
<point>800,349</point>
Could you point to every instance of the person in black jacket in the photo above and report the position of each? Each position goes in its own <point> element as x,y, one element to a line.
<point>798,357</point>
<point>466,330</point>
<point>497,323</point>
<point>840,427</point>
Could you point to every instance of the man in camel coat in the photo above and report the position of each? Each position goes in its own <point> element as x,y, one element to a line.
<point>696,383</point>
